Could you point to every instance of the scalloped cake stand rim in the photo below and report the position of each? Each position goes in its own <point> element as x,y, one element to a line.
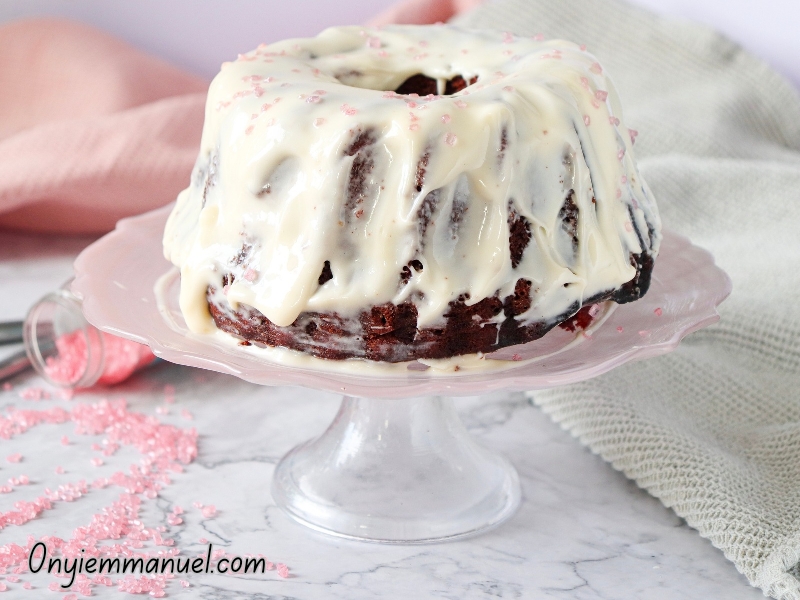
<point>117,274</point>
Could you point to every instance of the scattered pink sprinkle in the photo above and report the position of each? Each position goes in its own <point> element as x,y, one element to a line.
<point>27,585</point>
<point>209,511</point>
<point>374,42</point>
<point>624,179</point>
<point>620,329</point>
<point>644,332</point>
<point>348,110</point>
<point>461,104</point>
<point>628,226</point>
<point>174,519</point>
<point>197,504</point>
<point>633,133</point>
<point>613,120</point>
<point>250,275</point>
<point>319,121</point>
<point>601,95</point>
<point>621,153</point>
<point>23,480</point>
<point>596,68</point>
<point>14,458</point>
<point>314,99</point>
<point>584,83</point>
<point>3,587</point>
<point>445,119</point>
<point>283,570</point>
<point>619,193</point>
<point>508,37</point>
<point>450,139</point>
<point>203,541</point>
<point>187,415</point>
<point>184,583</point>
<point>586,334</point>
<point>582,47</point>
<point>414,126</point>
<point>516,357</point>
<point>508,88</point>
<point>162,410</point>
<point>658,311</point>
<point>97,462</point>
<point>59,470</point>
<point>249,130</point>
<point>12,578</point>
<point>6,489</point>
<point>587,120</point>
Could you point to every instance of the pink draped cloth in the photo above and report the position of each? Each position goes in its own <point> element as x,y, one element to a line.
<point>93,130</point>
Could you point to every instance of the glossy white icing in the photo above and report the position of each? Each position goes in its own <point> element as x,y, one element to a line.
<point>272,194</point>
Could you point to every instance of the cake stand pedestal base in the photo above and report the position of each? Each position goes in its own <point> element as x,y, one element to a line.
<point>396,471</point>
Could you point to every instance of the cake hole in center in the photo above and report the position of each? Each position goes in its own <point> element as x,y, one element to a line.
<point>423,85</point>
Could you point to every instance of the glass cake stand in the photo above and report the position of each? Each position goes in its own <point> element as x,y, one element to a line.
<point>396,465</point>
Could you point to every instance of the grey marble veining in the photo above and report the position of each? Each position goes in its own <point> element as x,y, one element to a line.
<point>583,532</point>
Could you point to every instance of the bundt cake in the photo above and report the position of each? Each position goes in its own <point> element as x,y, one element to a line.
<point>412,192</point>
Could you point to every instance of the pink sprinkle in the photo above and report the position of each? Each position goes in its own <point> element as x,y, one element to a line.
<point>508,37</point>
<point>414,126</point>
<point>586,120</point>
<point>411,104</point>
<point>162,410</point>
<point>644,332</point>
<point>601,95</point>
<point>6,489</point>
<point>508,88</point>
<point>96,462</point>
<point>596,68</point>
<point>314,99</point>
<point>594,310</point>
<point>59,470</point>
<point>348,110</point>
<point>184,583</point>
<point>624,179</point>
<point>3,587</point>
<point>27,585</point>
<point>445,119</point>
<point>265,107</point>
<point>177,510</point>
<point>619,330</point>
<point>613,120</point>
<point>209,511</point>
<point>187,415</point>
<point>197,504</point>
<point>621,153</point>
<point>250,275</point>
<point>586,334</point>
<point>450,139</point>
<point>12,578</point>
<point>538,37</point>
<point>319,121</point>
<point>249,130</point>
<point>283,570</point>
<point>383,53</point>
<point>460,104</point>
<point>23,480</point>
<point>374,42</point>
<point>582,47</point>
<point>174,520</point>
<point>203,541</point>
<point>633,133</point>
<point>658,312</point>
<point>628,226</point>
<point>516,357</point>
<point>14,458</point>
<point>584,83</point>
<point>53,587</point>
<point>619,193</point>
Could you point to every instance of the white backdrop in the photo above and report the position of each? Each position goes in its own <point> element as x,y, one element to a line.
<point>200,34</point>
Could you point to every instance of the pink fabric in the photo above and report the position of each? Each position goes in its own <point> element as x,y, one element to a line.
<point>93,130</point>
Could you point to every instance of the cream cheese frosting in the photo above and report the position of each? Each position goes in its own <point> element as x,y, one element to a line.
<point>273,199</point>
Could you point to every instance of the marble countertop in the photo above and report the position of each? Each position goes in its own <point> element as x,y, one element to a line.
<point>583,531</point>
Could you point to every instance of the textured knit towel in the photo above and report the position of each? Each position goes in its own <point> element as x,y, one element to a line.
<point>713,429</point>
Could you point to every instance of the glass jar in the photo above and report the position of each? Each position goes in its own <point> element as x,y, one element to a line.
<point>67,351</point>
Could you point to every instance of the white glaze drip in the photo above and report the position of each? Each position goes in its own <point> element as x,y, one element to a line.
<point>269,198</point>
